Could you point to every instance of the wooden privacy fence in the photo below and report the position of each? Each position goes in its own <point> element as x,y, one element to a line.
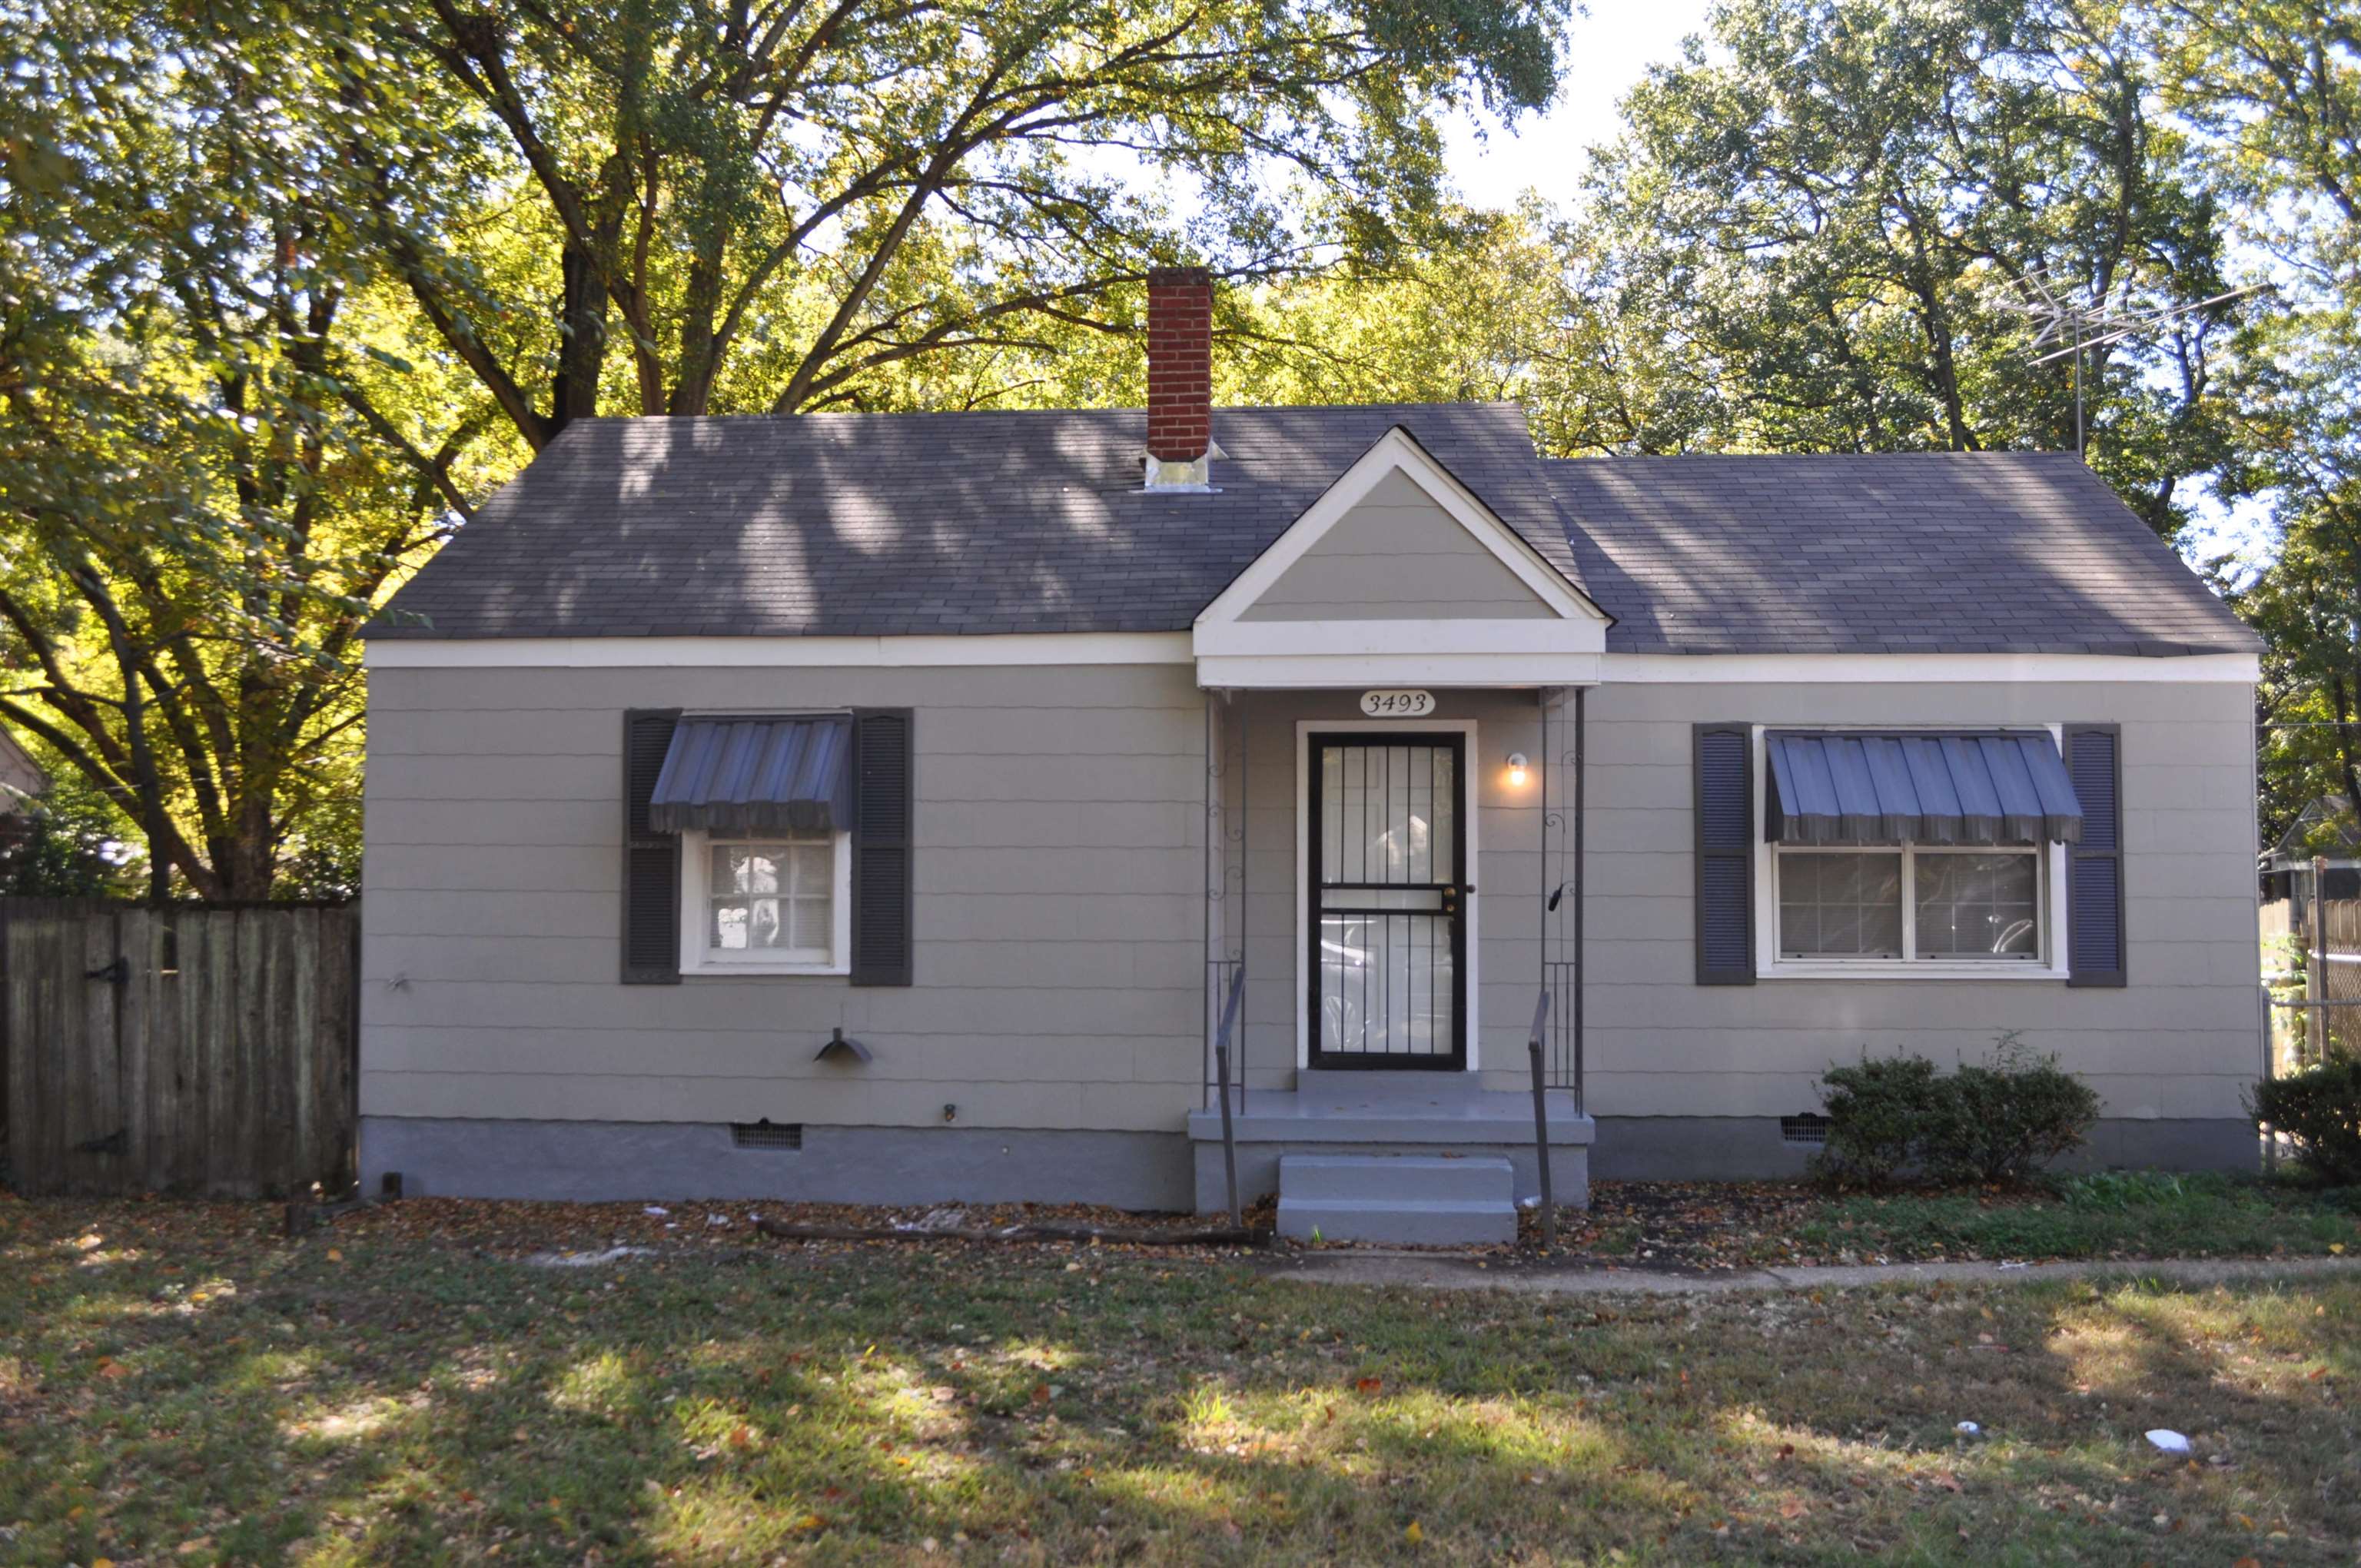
<point>178,1049</point>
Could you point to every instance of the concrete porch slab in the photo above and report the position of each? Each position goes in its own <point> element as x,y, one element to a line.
<point>1431,1108</point>
<point>1404,1114</point>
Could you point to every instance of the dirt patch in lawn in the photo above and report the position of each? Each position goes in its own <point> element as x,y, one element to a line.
<point>1664,1226</point>
<point>1682,1225</point>
<point>519,1229</point>
<point>2126,1216</point>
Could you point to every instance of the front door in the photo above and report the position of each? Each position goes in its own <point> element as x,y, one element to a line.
<point>1387,852</point>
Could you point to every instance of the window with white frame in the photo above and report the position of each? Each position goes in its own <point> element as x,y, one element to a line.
<point>1912,904</point>
<point>779,903</point>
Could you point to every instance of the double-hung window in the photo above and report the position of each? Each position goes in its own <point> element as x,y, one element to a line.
<point>764,807</point>
<point>1906,853</point>
<point>780,904</point>
<point>1912,904</point>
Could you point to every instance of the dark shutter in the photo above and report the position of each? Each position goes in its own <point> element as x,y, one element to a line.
<point>882,765</point>
<point>2094,865</point>
<point>1725,854</point>
<point>650,860</point>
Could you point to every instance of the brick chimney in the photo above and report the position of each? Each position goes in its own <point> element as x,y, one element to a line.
<point>1180,376</point>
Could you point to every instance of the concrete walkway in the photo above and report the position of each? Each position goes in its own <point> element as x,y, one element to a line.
<point>1439,1271</point>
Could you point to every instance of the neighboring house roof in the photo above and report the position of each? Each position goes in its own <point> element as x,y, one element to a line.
<point>896,524</point>
<point>2326,825</point>
<point>1937,552</point>
<point>21,778</point>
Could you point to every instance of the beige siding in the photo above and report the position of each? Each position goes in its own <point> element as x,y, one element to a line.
<point>1396,556</point>
<point>2180,1040</point>
<point>1059,908</point>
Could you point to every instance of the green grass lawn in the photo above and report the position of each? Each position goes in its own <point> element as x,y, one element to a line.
<point>2130,1213</point>
<point>2115,1214</point>
<point>179,1385</point>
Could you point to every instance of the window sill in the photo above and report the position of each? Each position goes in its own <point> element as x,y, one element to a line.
<point>1909,970</point>
<point>742,971</point>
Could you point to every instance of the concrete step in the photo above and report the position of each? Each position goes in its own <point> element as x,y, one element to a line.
<point>1368,1178</point>
<point>1396,1221</point>
<point>1401,1200</point>
<point>1370,1084</point>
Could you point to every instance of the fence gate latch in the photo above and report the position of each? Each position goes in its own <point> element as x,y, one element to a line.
<point>116,973</point>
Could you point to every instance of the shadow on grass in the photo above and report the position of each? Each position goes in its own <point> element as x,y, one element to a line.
<point>406,1400</point>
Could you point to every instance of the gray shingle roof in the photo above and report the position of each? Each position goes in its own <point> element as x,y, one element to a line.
<point>896,524</point>
<point>1961,553</point>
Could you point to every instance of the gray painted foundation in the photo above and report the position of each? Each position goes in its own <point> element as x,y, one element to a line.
<point>611,1161</point>
<point>1162,1172</point>
<point>1745,1148</point>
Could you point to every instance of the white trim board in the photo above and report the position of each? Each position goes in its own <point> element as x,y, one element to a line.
<point>1357,672</point>
<point>1027,648</point>
<point>1986,669</point>
<point>1376,637</point>
<point>1470,813</point>
<point>1412,657</point>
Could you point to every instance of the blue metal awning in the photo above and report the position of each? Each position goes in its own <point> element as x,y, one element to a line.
<point>1978,787</point>
<point>756,775</point>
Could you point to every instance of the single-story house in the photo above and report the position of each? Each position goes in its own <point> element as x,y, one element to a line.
<point>940,807</point>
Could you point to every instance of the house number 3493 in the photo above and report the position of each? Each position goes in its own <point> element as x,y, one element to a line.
<point>1397,704</point>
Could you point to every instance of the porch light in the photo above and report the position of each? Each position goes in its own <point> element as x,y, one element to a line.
<point>1516,769</point>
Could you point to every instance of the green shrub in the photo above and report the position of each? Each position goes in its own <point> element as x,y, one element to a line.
<point>2319,1111</point>
<point>1878,1114</point>
<point>1998,1122</point>
<point>2006,1118</point>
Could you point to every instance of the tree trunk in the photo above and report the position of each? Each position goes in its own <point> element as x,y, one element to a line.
<point>247,869</point>
<point>582,340</point>
<point>700,354</point>
<point>2347,741</point>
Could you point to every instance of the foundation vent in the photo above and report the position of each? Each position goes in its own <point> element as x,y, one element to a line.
<point>766,1134</point>
<point>1808,1128</point>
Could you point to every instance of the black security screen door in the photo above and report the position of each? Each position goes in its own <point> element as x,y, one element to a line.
<point>1387,933</point>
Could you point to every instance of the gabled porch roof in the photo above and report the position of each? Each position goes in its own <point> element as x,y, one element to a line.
<point>1399,573</point>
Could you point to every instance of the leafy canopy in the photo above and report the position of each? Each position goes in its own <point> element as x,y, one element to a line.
<point>746,207</point>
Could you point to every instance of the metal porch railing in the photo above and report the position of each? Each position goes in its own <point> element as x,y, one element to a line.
<point>1221,1037</point>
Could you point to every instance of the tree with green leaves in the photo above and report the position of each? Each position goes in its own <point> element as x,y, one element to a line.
<point>1518,305</point>
<point>684,208</point>
<point>209,471</point>
<point>2276,87</point>
<point>1820,219</point>
<point>284,289</point>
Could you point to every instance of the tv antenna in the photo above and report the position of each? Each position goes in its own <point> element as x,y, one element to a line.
<point>2058,319</point>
